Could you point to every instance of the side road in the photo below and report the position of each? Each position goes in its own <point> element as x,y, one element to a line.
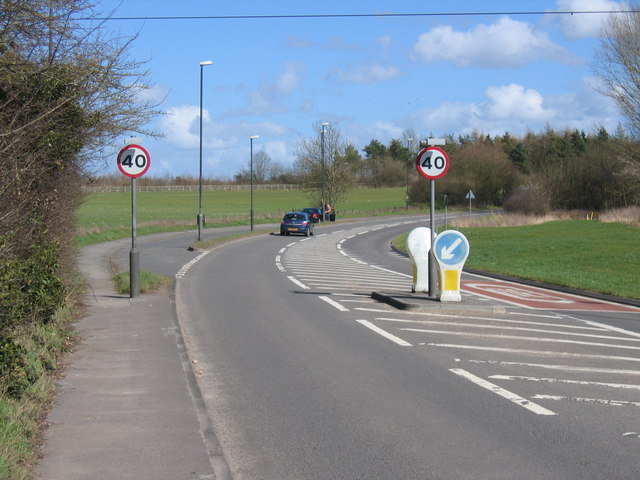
<point>129,405</point>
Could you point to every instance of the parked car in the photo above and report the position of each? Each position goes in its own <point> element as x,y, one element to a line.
<point>314,213</point>
<point>296,222</point>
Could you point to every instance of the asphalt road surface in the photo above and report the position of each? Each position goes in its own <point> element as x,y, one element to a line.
<point>306,377</point>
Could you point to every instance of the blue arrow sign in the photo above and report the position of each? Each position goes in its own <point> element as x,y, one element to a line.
<point>451,248</point>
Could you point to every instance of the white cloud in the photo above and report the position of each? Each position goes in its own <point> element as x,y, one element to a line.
<point>271,96</point>
<point>517,110</point>
<point>514,102</point>
<point>367,73</point>
<point>181,126</point>
<point>587,24</point>
<point>288,80</point>
<point>505,43</point>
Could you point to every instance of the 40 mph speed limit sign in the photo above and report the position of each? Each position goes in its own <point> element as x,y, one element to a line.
<point>134,161</point>
<point>432,162</point>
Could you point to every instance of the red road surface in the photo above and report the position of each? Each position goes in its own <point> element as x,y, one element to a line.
<point>538,298</point>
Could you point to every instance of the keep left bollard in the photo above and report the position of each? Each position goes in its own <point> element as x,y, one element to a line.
<point>450,249</point>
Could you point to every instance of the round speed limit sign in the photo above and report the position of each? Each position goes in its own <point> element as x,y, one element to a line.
<point>134,161</point>
<point>432,162</point>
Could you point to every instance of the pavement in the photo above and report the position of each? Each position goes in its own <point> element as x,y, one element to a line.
<point>129,405</point>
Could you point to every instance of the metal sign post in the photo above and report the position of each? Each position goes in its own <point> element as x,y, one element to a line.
<point>432,163</point>
<point>134,161</point>
<point>470,196</point>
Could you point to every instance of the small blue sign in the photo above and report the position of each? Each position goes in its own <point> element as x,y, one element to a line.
<point>451,248</point>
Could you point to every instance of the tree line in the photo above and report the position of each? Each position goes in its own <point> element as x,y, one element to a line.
<point>535,173</point>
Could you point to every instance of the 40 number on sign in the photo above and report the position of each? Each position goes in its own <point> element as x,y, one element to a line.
<point>134,161</point>
<point>432,162</point>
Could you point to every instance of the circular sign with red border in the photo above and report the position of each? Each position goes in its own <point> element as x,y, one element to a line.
<point>134,161</point>
<point>432,162</point>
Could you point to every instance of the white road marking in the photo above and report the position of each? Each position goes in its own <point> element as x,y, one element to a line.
<point>375,310</point>
<point>528,339</point>
<point>390,271</point>
<point>601,401</point>
<point>535,352</point>
<point>500,327</point>
<point>623,386</point>
<point>487,319</point>
<point>609,327</point>
<point>333,303</point>
<point>384,333</point>
<point>298,282</point>
<point>567,368</point>
<point>512,397</point>
<point>185,268</point>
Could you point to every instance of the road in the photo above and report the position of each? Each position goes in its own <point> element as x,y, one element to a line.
<point>306,377</point>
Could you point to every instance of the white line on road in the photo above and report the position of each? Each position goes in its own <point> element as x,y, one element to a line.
<point>502,327</point>
<point>534,352</point>
<point>512,397</point>
<point>624,386</point>
<point>487,319</point>
<point>607,327</point>
<point>299,283</point>
<point>384,333</point>
<point>333,303</point>
<point>522,338</point>
<point>567,368</point>
<point>601,401</point>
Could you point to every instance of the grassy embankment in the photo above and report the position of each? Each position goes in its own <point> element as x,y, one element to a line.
<point>584,254</point>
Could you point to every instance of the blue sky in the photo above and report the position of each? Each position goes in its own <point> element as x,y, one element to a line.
<point>373,78</point>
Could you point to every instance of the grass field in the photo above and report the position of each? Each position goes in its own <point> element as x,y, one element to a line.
<point>588,255</point>
<point>106,216</point>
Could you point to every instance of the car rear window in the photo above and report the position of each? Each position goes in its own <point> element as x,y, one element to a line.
<point>294,216</point>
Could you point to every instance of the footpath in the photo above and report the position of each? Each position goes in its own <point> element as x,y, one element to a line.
<point>129,406</point>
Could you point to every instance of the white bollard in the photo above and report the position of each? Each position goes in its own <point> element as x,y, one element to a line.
<point>419,246</point>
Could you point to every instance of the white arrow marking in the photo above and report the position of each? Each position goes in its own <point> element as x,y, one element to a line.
<point>447,253</point>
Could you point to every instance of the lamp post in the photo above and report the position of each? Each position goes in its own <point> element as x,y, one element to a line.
<point>251,175</point>
<point>324,125</point>
<point>200,217</point>
<point>409,140</point>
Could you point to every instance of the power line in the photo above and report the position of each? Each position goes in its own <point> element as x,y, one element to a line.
<point>357,15</point>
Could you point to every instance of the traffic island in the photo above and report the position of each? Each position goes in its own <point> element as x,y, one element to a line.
<point>423,303</point>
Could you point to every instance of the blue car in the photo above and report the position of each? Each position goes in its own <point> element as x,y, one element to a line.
<point>296,222</point>
<point>314,213</point>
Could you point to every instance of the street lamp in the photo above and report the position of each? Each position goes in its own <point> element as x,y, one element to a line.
<point>324,125</point>
<point>251,174</point>
<point>200,218</point>
<point>409,140</point>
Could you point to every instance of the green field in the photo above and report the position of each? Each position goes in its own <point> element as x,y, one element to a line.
<point>588,255</point>
<point>106,216</point>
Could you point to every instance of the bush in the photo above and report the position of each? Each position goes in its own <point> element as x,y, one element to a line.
<point>527,199</point>
<point>30,288</point>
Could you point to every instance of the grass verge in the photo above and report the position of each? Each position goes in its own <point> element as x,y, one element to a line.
<point>149,282</point>
<point>587,255</point>
<point>21,419</point>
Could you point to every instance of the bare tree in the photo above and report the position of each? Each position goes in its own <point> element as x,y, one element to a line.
<point>617,63</point>
<point>68,93</point>
<point>326,164</point>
